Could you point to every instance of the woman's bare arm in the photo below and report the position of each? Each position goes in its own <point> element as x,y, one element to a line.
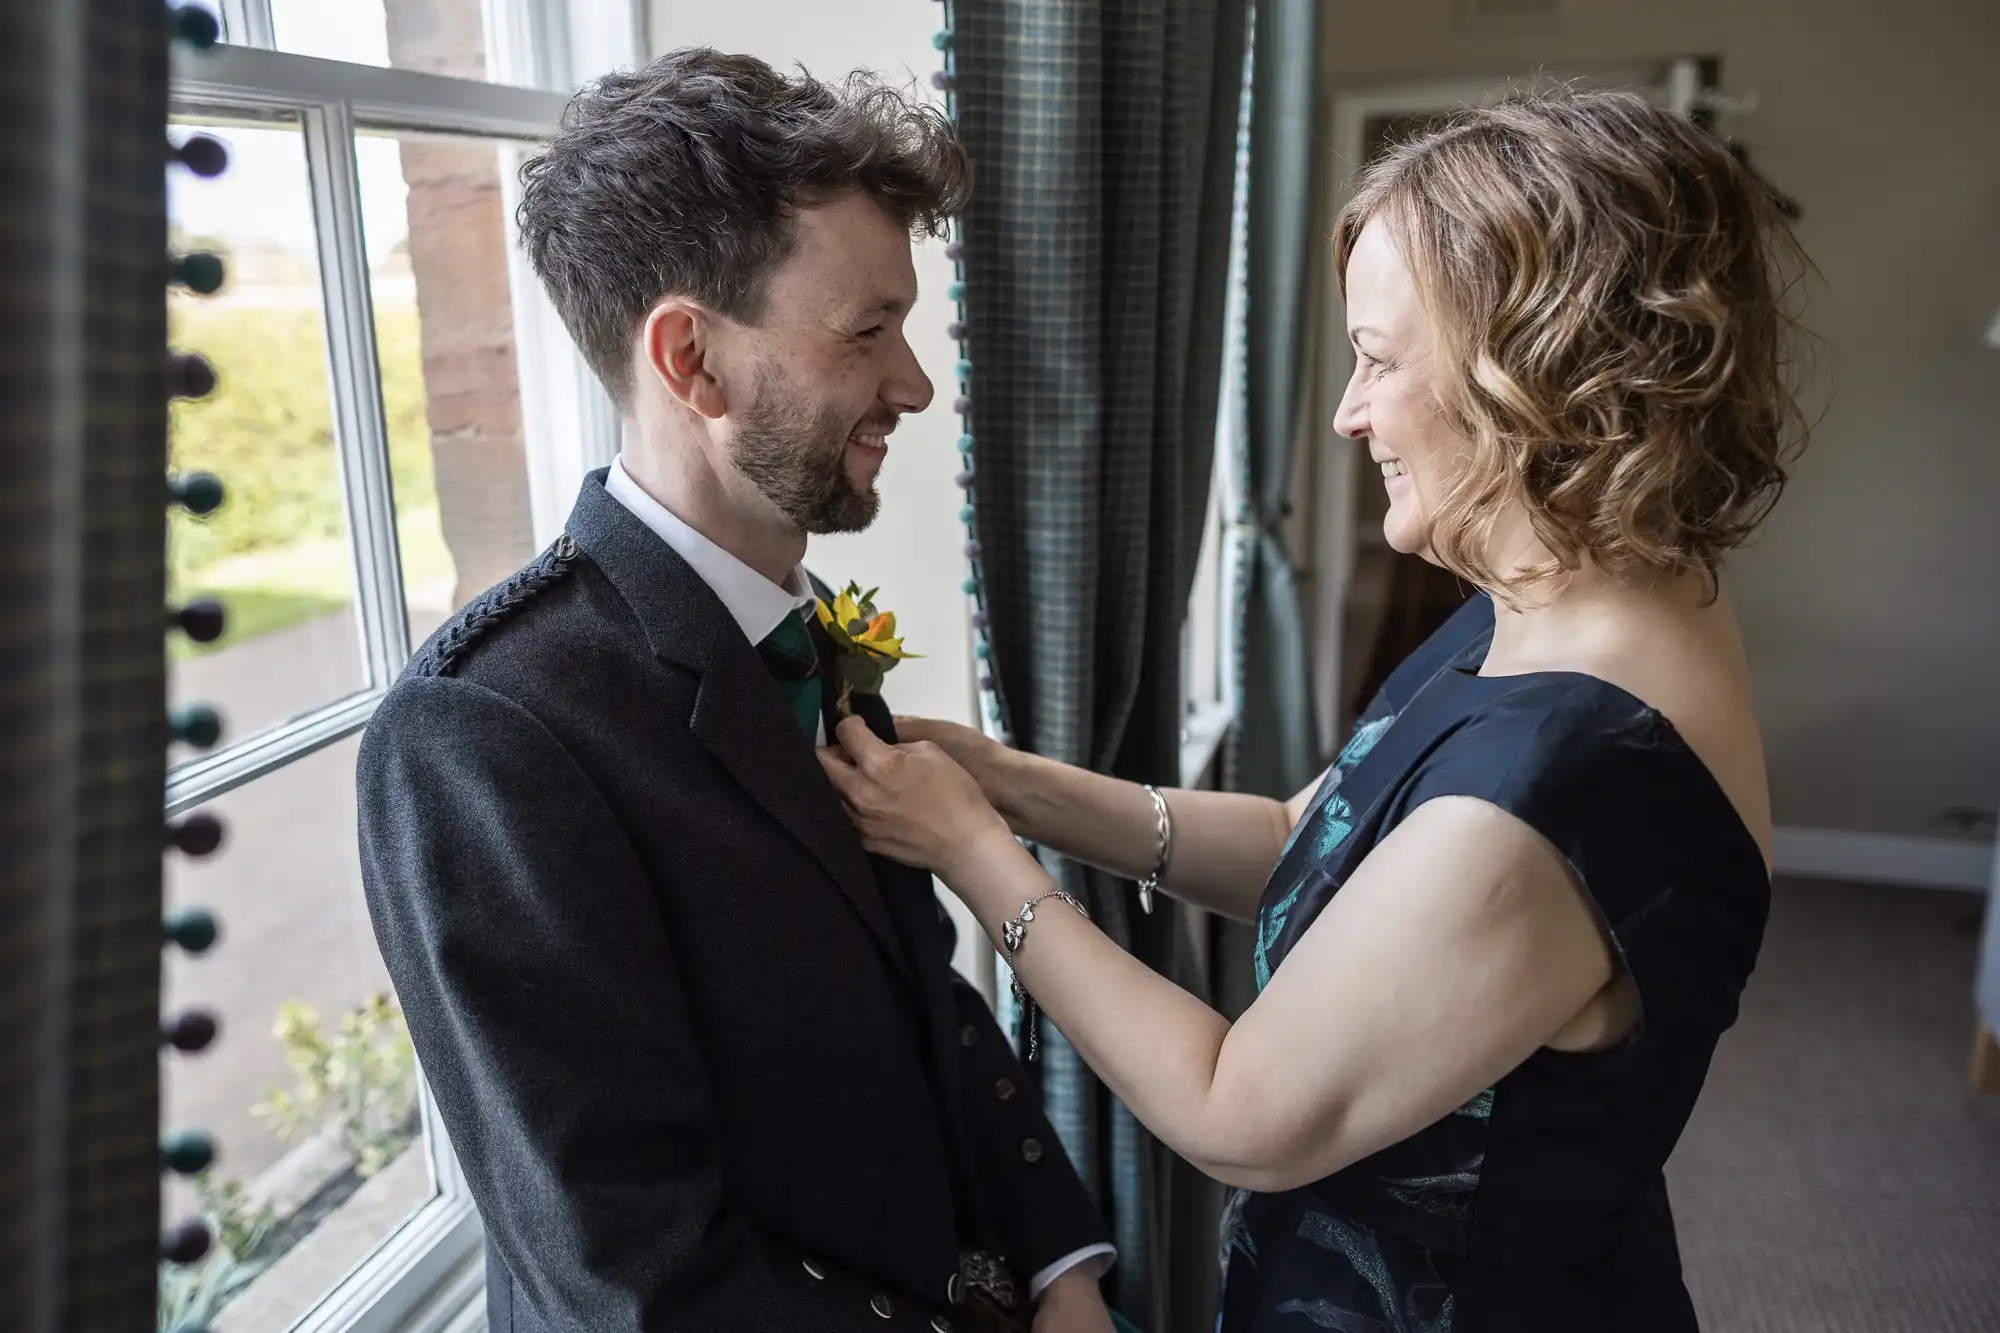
<point>1461,943</point>
<point>1225,844</point>
<point>1459,946</point>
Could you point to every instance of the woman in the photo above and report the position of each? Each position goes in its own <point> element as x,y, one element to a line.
<point>1497,949</point>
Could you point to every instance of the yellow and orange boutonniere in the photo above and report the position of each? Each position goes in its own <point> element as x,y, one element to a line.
<point>865,645</point>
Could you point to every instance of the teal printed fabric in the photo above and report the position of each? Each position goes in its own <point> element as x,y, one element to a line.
<point>1325,827</point>
<point>1540,1202</point>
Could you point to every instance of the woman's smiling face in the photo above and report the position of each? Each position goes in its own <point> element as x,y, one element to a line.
<point>1389,403</point>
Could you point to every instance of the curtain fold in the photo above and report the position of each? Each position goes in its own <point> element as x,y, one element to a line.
<point>1274,750</point>
<point>84,377</point>
<point>1096,253</point>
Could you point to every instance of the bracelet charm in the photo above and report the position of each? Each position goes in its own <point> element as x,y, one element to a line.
<point>1012,935</point>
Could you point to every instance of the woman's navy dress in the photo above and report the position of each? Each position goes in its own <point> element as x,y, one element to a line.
<point>1538,1206</point>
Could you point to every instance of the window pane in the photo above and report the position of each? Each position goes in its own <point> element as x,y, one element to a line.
<point>438,244</point>
<point>431,36</point>
<point>310,1091</point>
<point>1206,623</point>
<point>277,554</point>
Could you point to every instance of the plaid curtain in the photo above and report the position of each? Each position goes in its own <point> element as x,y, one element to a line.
<point>1096,253</point>
<point>1274,750</point>
<point>83,376</point>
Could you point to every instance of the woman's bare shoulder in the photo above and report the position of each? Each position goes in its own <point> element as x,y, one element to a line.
<point>1692,671</point>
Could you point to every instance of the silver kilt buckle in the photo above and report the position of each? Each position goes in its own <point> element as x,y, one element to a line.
<point>988,1273</point>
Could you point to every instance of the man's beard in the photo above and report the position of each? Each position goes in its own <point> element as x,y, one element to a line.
<point>797,457</point>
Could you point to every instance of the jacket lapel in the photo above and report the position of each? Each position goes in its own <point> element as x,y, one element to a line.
<point>740,715</point>
<point>912,899</point>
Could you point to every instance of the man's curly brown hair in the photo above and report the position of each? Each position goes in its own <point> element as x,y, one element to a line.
<point>1609,287</point>
<point>682,179</point>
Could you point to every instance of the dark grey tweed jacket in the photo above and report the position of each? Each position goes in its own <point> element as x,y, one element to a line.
<point>684,1032</point>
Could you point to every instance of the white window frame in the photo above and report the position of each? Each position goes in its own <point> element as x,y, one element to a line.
<point>1211,670</point>
<point>1209,691</point>
<point>428,1275</point>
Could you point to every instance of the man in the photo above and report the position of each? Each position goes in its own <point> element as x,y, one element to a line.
<point>703,1060</point>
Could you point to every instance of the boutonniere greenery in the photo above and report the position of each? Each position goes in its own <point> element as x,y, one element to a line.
<point>865,646</point>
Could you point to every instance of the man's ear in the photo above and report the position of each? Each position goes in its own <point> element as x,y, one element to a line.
<point>674,348</point>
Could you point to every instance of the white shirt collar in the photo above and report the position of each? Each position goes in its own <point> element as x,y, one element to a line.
<point>753,601</point>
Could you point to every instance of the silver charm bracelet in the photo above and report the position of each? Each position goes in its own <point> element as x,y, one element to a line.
<point>1153,882</point>
<point>1012,935</point>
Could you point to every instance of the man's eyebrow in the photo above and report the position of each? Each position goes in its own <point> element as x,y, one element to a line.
<point>888,305</point>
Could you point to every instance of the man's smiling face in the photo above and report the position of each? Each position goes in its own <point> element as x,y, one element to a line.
<point>833,371</point>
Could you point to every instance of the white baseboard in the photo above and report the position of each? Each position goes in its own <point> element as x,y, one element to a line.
<point>1882,858</point>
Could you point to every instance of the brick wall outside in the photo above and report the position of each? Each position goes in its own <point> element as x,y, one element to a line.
<point>458,254</point>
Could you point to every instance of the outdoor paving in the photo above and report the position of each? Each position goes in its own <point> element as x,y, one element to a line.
<point>287,888</point>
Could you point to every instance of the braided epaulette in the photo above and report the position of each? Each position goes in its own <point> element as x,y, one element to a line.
<point>491,607</point>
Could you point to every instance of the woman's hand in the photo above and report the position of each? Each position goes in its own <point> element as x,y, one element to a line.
<point>913,802</point>
<point>1073,1304</point>
<point>974,751</point>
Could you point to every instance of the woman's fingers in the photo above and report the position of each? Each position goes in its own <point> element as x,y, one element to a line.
<point>858,741</point>
<point>839,771</point>
<point>921,729</point>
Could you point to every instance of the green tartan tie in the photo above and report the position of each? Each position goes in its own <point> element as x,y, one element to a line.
<point>789,655</point>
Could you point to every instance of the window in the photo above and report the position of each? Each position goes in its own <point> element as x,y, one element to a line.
<point>1209,648</point>
<point>400,421</point>
<point>1209,686</point>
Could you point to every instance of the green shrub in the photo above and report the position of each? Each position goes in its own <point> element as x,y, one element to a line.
<point>267,430</point>
<point>361,1083</point>
<point>190,1298</point>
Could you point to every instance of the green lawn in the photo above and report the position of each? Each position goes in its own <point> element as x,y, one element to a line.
<point>251,612</point>
<point>277,552</point>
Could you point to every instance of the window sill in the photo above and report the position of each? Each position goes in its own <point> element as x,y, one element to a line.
<point>427,1276</point>
<point>316,1265</point>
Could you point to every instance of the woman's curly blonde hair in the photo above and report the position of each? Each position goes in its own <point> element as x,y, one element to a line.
<point>1609,287</point>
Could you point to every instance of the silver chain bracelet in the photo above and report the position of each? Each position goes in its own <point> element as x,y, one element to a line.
<point>1012,935</point>
<point>1152,882</point>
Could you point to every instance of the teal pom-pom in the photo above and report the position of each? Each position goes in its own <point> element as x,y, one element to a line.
<point>188,1153</point>
<point>197,724</point>
<point>193,929</point>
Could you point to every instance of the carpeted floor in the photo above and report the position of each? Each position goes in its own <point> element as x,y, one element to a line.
<point>1839,1176</point>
